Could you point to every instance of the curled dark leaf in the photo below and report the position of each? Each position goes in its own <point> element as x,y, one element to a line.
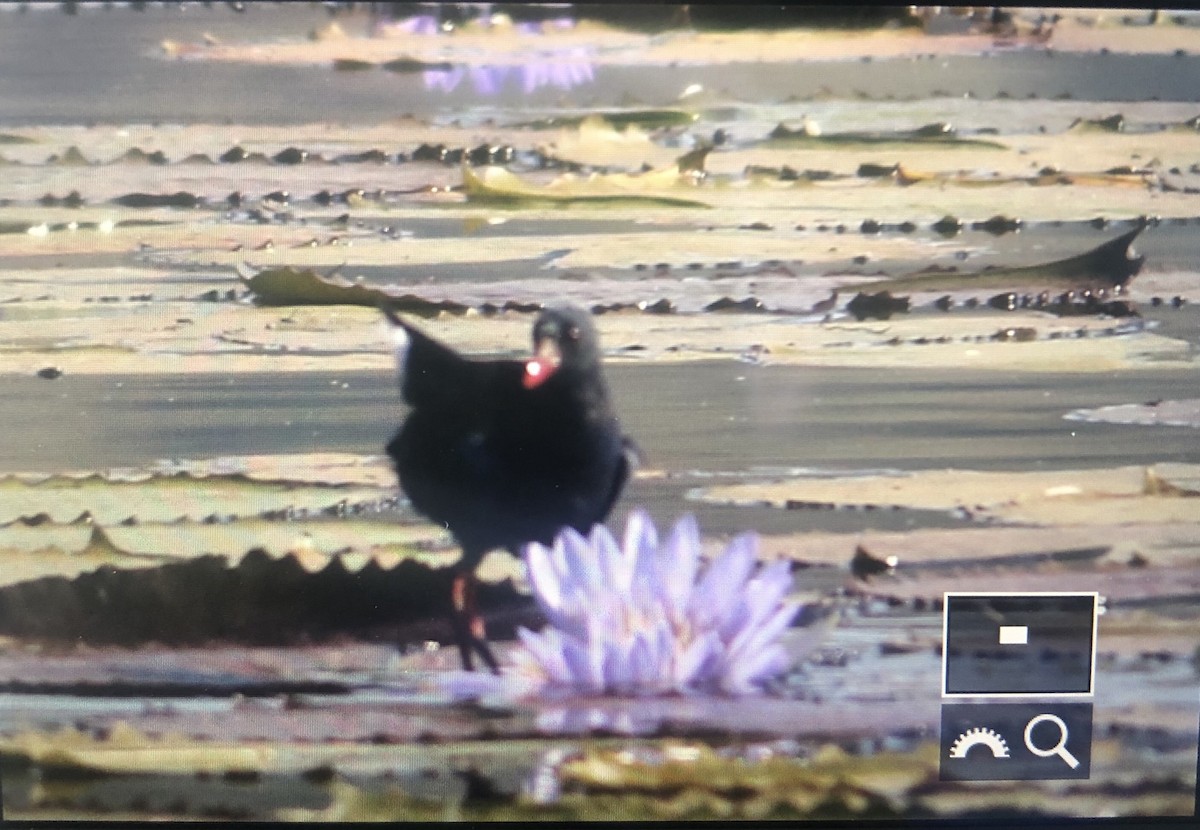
<point>879,306</point>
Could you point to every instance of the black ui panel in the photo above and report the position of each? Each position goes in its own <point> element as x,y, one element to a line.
<point>1019,644</point>
<point>1036,647</point>
<point>1016,741</point>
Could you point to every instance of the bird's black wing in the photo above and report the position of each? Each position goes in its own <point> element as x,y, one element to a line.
<point>631,458</point>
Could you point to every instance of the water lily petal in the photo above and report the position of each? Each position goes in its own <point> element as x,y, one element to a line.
<point>691,666</point>
<point>618,671</point>
<point>722,582</point>
<point>663,646</point>
<point>582,665</point>
<point>758,600</point>
<point>559,554</point>
<point>677,563</point>
<point>644,601</point>
<point>582,567</point>
<point>544,580</point>
<point>756,639</point>
<point>770,585</point>
<point>614,572</point>
<point>546,649</point>
<point>577,607</point>
<point>744,675</point>
<point>643,663</point>
<point>639,545</point>
<point>737,619</point>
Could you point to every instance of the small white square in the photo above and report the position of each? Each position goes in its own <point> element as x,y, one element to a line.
<point>1014,635</point>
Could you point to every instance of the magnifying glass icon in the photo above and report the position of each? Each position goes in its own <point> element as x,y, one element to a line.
<point>1059,748</point>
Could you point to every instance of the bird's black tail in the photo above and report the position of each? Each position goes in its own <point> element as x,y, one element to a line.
<point>424,364</point>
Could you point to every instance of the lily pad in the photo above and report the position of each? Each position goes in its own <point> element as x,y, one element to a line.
<point>20,564</point>
<point>1114,496</point>
<point>1112,124</point>
<point>495,185</point>
<point>166,498</point>
<point>315,540</point>
<point>328,468</point>
<point>1121,587</point>
<point>1112,263</point>
<point>942,135</point>
<point>804,785</point>
<point>407,64</point>
<point>294,287</point>
<point>618,119</point>
<point>352,65</point>
<point>1175,413</point>
<point>990,547</point>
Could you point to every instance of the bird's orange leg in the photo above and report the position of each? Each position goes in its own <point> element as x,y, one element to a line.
<point>469,629</point>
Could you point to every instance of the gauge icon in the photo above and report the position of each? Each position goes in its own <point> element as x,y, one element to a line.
<point>979,736</point>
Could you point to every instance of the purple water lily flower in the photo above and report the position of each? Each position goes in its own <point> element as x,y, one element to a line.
<point>642,618</point>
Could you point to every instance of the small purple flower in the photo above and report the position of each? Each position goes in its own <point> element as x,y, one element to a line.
<point>642,618</point>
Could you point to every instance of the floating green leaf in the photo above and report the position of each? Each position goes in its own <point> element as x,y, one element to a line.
<point>495,185</point>
<point>293,287</point>
<point>167,498</point>
<point>1109,264</point>
<point>1112,124</point>
<point>939,135</point>
<point>619,119</point>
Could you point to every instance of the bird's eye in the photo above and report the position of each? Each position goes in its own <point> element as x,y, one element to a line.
<point>573,332</point>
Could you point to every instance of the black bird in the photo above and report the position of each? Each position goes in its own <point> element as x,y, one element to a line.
<point>507,452</point>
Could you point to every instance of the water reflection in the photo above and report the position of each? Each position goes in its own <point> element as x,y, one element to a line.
<point>563,69</point>
<point>430,24</point>
<point>421,24</point>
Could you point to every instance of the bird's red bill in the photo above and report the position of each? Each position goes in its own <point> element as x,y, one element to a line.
<point>537,371</point>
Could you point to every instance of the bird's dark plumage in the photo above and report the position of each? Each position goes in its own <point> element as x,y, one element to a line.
<point>506,452</point>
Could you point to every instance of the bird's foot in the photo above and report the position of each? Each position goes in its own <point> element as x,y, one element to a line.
<point>469,629</point>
